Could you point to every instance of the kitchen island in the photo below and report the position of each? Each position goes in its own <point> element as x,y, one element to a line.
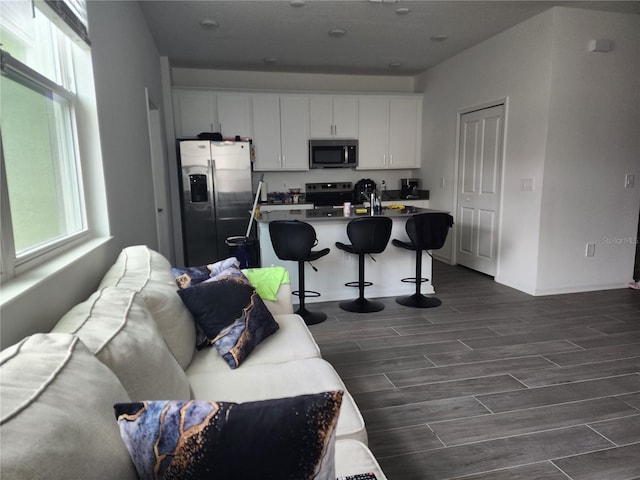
<point>339,267</point>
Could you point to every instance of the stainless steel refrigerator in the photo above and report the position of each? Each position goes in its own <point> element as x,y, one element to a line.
<point>217,197</point>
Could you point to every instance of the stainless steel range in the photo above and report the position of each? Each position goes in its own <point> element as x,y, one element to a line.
<point>329,194</point>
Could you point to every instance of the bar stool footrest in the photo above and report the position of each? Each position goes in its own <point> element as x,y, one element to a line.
<point>413,280</point>
<point>357,284</point>
<point>307,293</point>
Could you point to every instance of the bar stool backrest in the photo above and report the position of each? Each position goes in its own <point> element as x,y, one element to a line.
<point>292,239</point>
<point>428,231</point>
<point>369,234</point>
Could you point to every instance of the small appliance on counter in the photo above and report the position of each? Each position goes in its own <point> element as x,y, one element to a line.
<point>363,190</point>
<point>409,188</point>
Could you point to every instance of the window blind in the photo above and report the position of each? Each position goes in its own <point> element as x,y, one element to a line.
<point>74,15</point>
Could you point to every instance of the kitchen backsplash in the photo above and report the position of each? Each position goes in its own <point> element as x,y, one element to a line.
<point>283,181</point>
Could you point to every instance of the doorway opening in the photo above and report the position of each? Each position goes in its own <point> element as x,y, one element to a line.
<point>160,179</point>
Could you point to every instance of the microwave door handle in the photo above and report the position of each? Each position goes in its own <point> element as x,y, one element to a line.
<point>346,155</point>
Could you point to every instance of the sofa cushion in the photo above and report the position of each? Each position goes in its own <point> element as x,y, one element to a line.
<point>231,315</point>
<point>293,341</point>
<point>56,417</point>
<point>117,327</point>
<point>149,273</point>
<point>261,382</point>
<point>287,438</point>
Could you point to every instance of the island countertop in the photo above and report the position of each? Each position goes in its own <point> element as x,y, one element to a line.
<point>334,270</point>
<point>327,213</point>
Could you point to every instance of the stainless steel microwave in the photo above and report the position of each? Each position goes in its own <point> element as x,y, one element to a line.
<point>333,153</point>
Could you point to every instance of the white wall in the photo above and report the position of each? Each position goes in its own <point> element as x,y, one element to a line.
<point>125,62</point>
<point>593,142</point>
<point>572,126</point>
<point>514,65</point>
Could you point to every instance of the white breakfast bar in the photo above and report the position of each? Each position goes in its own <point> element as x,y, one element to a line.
<point>339,267</point>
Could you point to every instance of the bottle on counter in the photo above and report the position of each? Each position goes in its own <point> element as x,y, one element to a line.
<point>376,204</point>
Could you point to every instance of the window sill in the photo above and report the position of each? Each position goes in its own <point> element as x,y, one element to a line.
<point>16,287</point>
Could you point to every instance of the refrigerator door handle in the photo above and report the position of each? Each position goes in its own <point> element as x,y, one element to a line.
<point>212,188</point>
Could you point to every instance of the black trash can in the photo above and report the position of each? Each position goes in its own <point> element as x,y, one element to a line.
<point>244,249</point>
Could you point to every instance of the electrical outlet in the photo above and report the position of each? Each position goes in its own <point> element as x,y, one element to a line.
<point>629,180</point>
<point>590,250</point>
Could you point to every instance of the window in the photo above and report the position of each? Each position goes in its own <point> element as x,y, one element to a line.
<point>41,184</point>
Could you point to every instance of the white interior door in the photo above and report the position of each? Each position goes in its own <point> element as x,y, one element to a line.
<point>160,181</point>
<point>479,180</point>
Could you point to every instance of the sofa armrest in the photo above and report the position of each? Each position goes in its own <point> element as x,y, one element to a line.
<point>283,304</point>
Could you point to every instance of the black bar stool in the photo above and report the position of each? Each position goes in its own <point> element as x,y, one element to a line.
<point>293,240</point>
<point>427,231</point>
<point>367,235</point>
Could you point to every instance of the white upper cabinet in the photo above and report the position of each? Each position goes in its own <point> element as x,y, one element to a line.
<point>389,132</point>
<point>266,132</point>
<point>388,127</point>
<point>280,132</point>
<point>373,131</point>
<point>234,114</point>
<point>333,116</point>
<point>197,111</point>
<point>405,128</point>
<point>294,122</point>
<point>194,112</point>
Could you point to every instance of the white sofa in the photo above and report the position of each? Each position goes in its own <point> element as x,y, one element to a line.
<point>134,340</point>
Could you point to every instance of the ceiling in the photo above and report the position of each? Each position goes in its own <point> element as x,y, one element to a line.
<point>294,35</point>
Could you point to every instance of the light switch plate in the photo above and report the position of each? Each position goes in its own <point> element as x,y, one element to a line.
<point>526,184</point>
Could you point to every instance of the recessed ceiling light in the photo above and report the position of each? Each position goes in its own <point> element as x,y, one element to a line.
<point>440,37</point>
<point>402,11</point>
<point>395,65</point>
<point>296,3</point>
<point>270,60</point>
<point>337,32</point>
<point>208,23</point>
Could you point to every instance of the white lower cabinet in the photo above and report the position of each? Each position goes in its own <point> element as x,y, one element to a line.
<point>280,132</point>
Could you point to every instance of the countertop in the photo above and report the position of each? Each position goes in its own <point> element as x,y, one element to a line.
<point>324,214</point>
<point>387,195</point>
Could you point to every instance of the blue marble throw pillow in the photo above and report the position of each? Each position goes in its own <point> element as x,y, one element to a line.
<point>189,276</point>
<point>235,342</point>
<point>281,439</point>
<point>230,315</point>
<point>186,277</point>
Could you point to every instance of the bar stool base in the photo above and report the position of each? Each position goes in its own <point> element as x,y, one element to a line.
<point>418,301</point>
<point>311,318</point>
<point>361,305</point>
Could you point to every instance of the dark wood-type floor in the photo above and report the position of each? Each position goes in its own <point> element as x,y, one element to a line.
<point>495,384</point>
